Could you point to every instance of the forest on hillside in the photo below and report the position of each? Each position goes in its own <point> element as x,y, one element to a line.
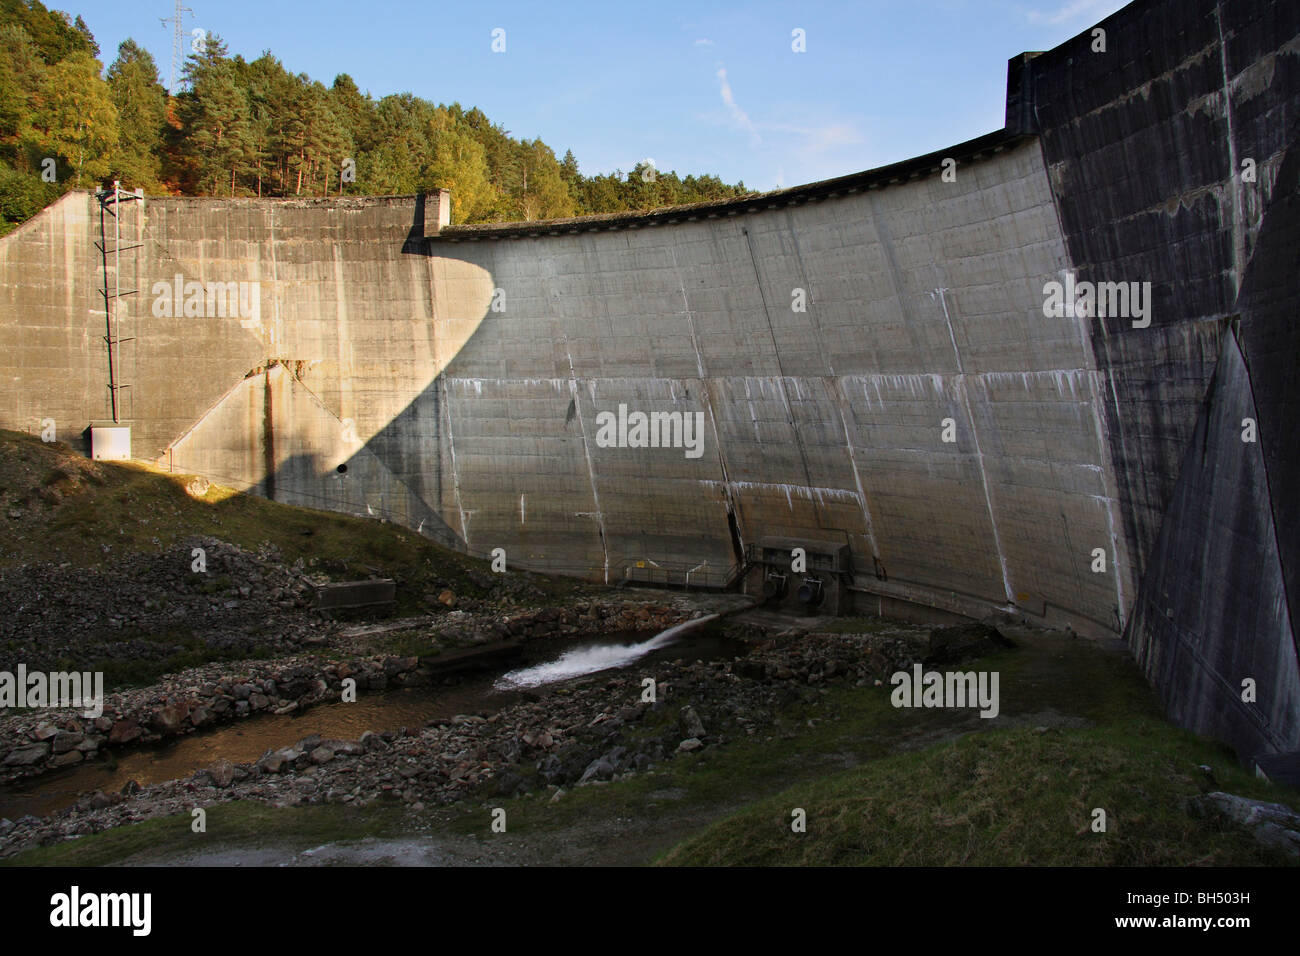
<point>251,128</point>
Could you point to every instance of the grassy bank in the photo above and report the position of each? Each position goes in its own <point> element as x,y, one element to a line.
<point>62,508</point>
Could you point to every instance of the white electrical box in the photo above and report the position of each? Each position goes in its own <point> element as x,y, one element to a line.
<point>110,442</point>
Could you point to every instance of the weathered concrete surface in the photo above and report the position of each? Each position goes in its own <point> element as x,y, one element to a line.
<point>1147,146</point>
<point>458,373</point>
<point>925,304</point>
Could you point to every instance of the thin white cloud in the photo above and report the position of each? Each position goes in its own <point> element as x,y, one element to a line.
<point>704,42</point>
<point>819,139</point>
<point>738,116</point>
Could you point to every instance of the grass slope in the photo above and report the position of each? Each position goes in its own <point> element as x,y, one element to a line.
<point>59,507</point>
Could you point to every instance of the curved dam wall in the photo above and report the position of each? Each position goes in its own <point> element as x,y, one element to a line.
<point>823,343</point>
<point>866,362</point>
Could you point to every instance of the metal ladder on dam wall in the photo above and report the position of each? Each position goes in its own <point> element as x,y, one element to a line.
<point>119,331</point>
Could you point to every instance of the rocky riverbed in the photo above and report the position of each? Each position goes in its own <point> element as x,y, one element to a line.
<point>578,734</point>
<point>35,741</point>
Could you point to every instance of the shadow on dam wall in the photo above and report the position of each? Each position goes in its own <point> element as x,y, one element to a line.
<point>473,361</point>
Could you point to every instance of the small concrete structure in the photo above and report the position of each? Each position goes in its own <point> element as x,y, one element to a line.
<point>347,595</point>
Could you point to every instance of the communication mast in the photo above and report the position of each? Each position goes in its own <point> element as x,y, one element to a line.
<point>178,41</point>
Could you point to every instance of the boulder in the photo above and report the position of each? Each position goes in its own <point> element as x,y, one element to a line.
<point>598,769</point>
<point>689,745</point>
<point>1271,824</point>
<point>273,762</point>
<point>169,719</point>
<point>689,723</point>
<point>69,759</point>
<point>64,741</point>
<point>222,773</point>
<point>322,755</point>
<point>124,731</point>
<point>27,756</point>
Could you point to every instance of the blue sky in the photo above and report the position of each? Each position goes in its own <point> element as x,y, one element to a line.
<point>695,86</point>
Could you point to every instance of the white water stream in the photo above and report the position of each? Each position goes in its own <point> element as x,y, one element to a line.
<point>591,658</point>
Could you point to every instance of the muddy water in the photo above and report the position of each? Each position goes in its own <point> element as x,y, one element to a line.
<point>246,740</point>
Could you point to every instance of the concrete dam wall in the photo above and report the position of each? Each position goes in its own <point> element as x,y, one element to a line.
<point>866,362</point>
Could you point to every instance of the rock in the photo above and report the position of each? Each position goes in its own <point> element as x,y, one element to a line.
<point>103,724</point>
<point>202,716</point>
<point>345,748</point>
<point>197,487</point>
<point>322,755</point>
<point>44,731</point>
<point>598,769</point>
<point>124,731</point>
<point>64,741</point>
<point>241,708</point>
<point>373,743</point>
<point>1271,824</point>
<point>538,739</point>
<point>689,723</point>
<point>27,756</point>
<point>169,719</point>
<point>272,763</point>
<point>258,701</point>
<point>689,745</point>
<point>447,598</point>
<point>71,758</point>
<point>557,795</point>
<point>130,788</point>
<point>222,773</point>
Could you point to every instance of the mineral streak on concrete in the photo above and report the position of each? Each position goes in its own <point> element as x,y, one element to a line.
<point>450,378</point>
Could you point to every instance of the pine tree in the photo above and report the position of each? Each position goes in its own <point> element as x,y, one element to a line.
<point>141,103</point>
